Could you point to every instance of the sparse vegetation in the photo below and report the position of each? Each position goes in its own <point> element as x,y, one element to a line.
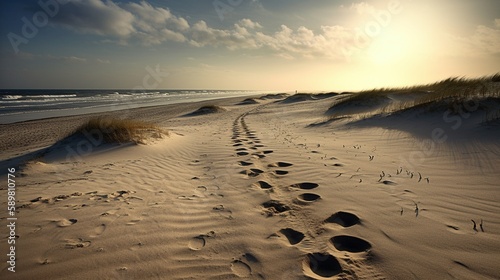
<point>114,130</point>
<point>208,109</point>
<point>445,95</point>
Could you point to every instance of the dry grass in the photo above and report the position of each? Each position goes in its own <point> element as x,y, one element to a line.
<point>443,95</point>
<point>113,130</point>
<point>208,109</point>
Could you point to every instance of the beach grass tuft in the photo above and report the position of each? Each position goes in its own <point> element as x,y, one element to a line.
<point>114,130</point>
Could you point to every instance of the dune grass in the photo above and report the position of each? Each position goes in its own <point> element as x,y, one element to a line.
<point>114,130</point>
<point>448,93</point>
<point>208,109</point>
<point>212,108</point>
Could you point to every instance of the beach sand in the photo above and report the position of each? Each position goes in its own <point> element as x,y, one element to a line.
<point>264,189</point>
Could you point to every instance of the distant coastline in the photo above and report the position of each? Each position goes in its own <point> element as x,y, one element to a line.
<point>18,105</point>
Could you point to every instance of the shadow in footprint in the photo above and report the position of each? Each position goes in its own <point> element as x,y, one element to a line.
<point>253,172</point>
<point>350,243</point>
<point>280,172</point>
<point>293,236</point>
<point>308,197</point>
<point>245,163</point>
<point>275,206</point>
<point>322,264</point>
<point>344,219</point>
<point>280,164</point>
<point>264,185</point>
<point>387,182</point>
<point>242,153</point>
<point>305,186</point>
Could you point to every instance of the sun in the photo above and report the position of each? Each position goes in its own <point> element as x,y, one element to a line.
<point>387,50</point>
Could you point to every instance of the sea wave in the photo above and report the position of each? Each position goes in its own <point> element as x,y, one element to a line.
<point>52,96</point>
<point>11,97</point>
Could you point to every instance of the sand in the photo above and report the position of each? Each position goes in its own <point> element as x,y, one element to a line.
<point>268,189</point>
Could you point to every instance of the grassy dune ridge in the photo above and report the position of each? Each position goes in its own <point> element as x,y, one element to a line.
<point>444,95</point>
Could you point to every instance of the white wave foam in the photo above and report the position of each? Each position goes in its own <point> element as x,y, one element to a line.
<point>11,97</point>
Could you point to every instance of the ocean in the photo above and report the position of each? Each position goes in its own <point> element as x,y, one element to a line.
<point>23,105</point>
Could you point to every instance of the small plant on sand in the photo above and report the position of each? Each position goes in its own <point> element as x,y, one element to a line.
<point>114,130</point>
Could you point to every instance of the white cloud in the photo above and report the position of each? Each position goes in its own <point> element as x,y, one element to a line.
<point>103,61</point>
<point>96,17</point>
<point>485,40</point>
<point>363,8</point>
<point>249,24</point>
<point>73,59</point>
<point>154,25</point>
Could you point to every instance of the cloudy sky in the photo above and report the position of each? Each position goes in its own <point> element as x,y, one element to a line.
<point>245,44</point>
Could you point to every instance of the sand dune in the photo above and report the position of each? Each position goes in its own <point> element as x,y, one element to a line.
<point>256,192</point>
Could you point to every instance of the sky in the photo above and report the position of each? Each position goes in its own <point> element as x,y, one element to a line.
<point>278,45</point>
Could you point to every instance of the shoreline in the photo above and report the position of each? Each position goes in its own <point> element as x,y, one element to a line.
<point>12,118</point>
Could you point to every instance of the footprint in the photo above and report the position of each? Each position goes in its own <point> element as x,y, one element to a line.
<point>245,163</point>
<point>275,206</point>
<point>387,182</point>
<point>350,244</point>
<point>201,188</point>
<point>136,246</point>
<point>280,172</point>
<point>133,222</point>
<point>99,230</point>
<point>222,211</point>
<point>305,186</point>
<point>240,268</point>
<point>293,236</point>
<point>344,219</point>
<point>268,152</point>
<point>321,264</point>
<point>197,243</point>
<point>183,197</point>
<point>259,155</point>
<point>308,197</point>
<point>77,243</point>
<point>242,153</point>
<point>254,172</point>
<point>237,145</point>
<point>259,145</point>
<point>66,222</point>
<point>241,149</point>
<point>264,185</point>
<point>280,164</point>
